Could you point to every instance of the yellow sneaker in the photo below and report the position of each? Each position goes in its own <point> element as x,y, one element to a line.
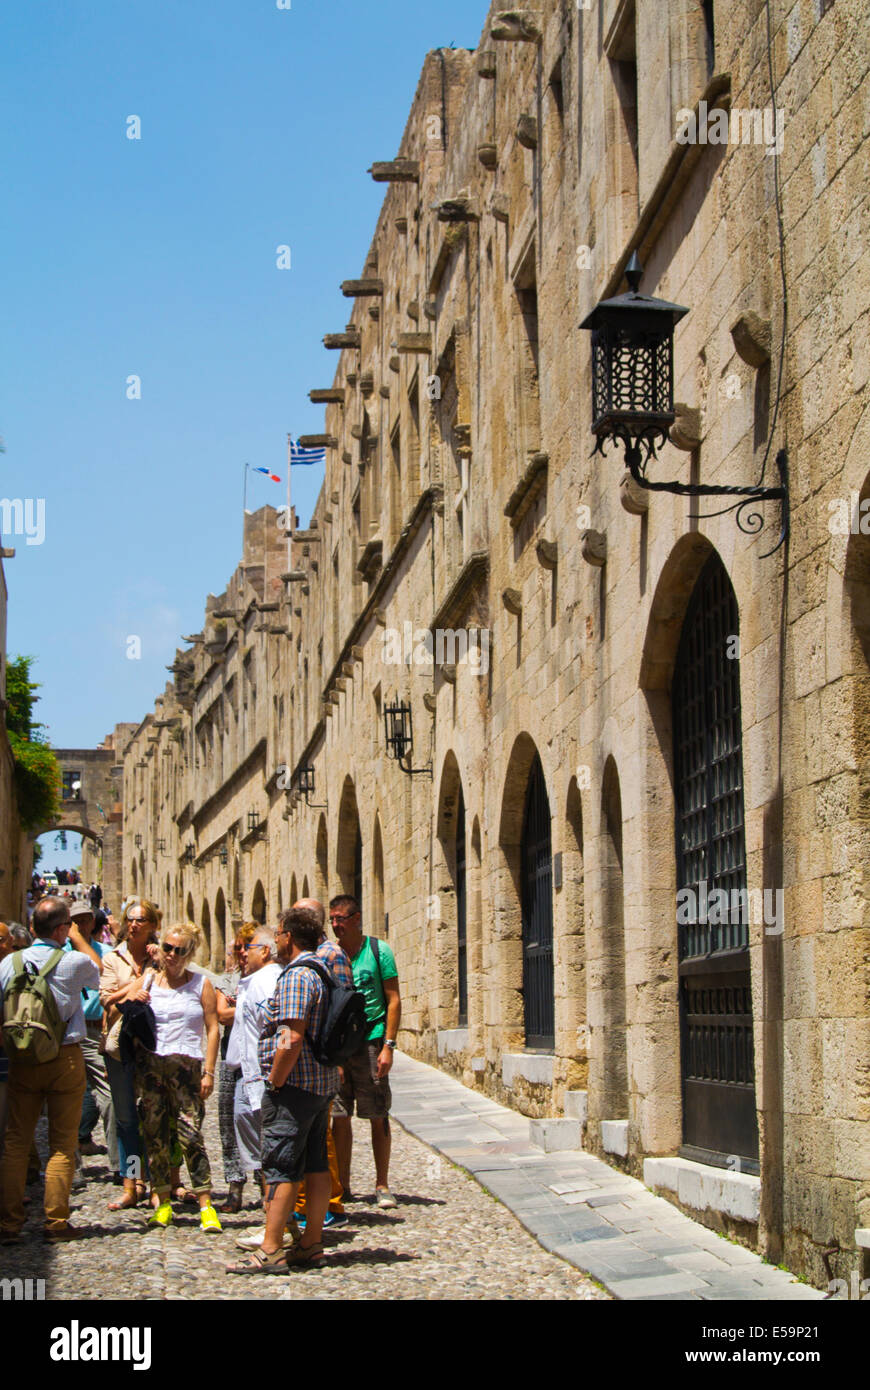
<point>161,1216</point>
<point>208,1219</point>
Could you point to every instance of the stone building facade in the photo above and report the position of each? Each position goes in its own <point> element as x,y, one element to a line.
<point>648,708</point>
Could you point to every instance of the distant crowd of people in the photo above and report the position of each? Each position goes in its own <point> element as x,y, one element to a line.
<point>113,1022</point>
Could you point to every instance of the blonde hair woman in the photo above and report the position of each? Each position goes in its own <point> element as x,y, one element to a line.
<point>174,1081</point>
<point>135,952</point>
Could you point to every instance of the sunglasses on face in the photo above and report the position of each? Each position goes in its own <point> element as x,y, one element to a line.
<point>174,950</point>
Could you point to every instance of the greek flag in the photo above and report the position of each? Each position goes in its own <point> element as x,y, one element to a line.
<point>300,455</point>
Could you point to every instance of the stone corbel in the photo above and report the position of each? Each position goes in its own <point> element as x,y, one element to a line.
<point>685,433</point>
<point>511,26</point>
<point>513,601</point>
<point>547,553</point>
<point>593,548</point>
<point>462,207</point>
<point>633,498</point>
<point>752,338</point>
<point>527,132</point>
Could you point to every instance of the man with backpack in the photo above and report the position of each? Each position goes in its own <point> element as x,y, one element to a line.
<point>310,1021</point>
<point>365,1075</point>
<point>43,1028</point>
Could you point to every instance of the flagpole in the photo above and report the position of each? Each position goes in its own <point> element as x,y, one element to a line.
<point>289,507</point>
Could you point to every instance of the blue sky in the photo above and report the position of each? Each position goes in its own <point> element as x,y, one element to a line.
<point>157,257</point>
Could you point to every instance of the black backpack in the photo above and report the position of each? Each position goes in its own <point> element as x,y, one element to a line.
<point>345,1027</point>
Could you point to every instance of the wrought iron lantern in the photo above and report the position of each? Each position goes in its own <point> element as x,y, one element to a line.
<point>400,735</point>
<point>223,855</point>
<point>137,841</point>
<point>253,821</point>
<point>161,846</point>
<point>189,854</point>
<point>633,396</point>
<point>305,786</point>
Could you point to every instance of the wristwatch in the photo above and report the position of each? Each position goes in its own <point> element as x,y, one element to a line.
<point>270,1086</point>
<point>390,1043</point>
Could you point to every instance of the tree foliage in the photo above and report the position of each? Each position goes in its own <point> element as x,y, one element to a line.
<point>37,771</point>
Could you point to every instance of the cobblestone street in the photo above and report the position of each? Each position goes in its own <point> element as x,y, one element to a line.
<point>448,1239</point>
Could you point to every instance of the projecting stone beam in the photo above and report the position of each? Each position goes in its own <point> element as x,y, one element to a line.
<point>317,441</point>
<point>357,289</point>
<point>330,395</point>
<point>486,63</point>
<point>462,208</point>
<point>414,342</point>
<point>396,171</point>
<point>513,25</point>
<point>350,339</point>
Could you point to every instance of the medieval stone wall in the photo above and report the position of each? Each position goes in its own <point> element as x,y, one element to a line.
<point>460,494</point>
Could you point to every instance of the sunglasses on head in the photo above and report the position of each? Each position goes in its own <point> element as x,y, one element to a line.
<point>174,950</point>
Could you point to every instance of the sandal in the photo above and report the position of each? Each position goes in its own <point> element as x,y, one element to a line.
<point>187,1199</point>
<point>124,1203</point>
<point>306,1257</point>
<point>261,1263</point>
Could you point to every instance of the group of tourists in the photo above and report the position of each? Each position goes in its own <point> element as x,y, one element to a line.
<point>135,1028</point>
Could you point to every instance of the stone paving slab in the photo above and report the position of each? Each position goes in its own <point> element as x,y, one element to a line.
<point>595,1217</point>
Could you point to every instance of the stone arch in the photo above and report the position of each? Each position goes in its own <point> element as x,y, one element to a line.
<point>205,923</point>
<point>444,917</point>
<point>167,906</point>
<point>220,921</point>
<point>281,897</point>
<point>134,876</point>
<point>608,1040</point>
<point>348,855</point>
<point>377,922</point>
<point>190,910</point>
<point>570,945</point>
<point>653,1031</point>
<point>294,890</point>
<point>258,903</point>
<point>476,944</point>
<point>305,892</point>
<point>321,861</point>
<point>507,992</point>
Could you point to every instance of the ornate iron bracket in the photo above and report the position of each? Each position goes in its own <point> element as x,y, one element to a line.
<point>640,448</point>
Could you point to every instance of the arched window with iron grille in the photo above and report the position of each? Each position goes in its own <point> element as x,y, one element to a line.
<point>716,1041</point>
<point>461,917</point>
<point>536,876</point>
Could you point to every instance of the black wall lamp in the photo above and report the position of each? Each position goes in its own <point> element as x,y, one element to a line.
<point>189,854</point>
<point>161,846</point>
<point>223,855</point>
<point>400,736</point>
<point>633,397</point>
<point>253,821</point>
<point>137,841</point>
<point>305,785</point>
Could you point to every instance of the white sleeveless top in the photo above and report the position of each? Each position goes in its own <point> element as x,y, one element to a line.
<point>180,1019</point>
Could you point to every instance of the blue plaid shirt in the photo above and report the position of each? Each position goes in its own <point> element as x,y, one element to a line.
<point>299,994</point>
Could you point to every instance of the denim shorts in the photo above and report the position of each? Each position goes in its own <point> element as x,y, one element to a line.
<point>294,1123</point>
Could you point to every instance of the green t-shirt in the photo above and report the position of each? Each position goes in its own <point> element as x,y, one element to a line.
<point>367,978</point>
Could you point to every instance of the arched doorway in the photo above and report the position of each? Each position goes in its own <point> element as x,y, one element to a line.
<point>716,1038</point>
<point>349,853</point>
<point>321,858</point>
<point>258,904</point>
<point>536,872</point>
<point>378,921</point>
<point>461,914</point>
<point>220,919</point>
<point>205,922</point>
<point>611,969</point>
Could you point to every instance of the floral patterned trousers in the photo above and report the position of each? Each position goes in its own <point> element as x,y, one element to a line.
<point>167,1100</point>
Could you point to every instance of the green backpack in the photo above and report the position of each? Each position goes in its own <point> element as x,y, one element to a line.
<point>32,1026</point>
